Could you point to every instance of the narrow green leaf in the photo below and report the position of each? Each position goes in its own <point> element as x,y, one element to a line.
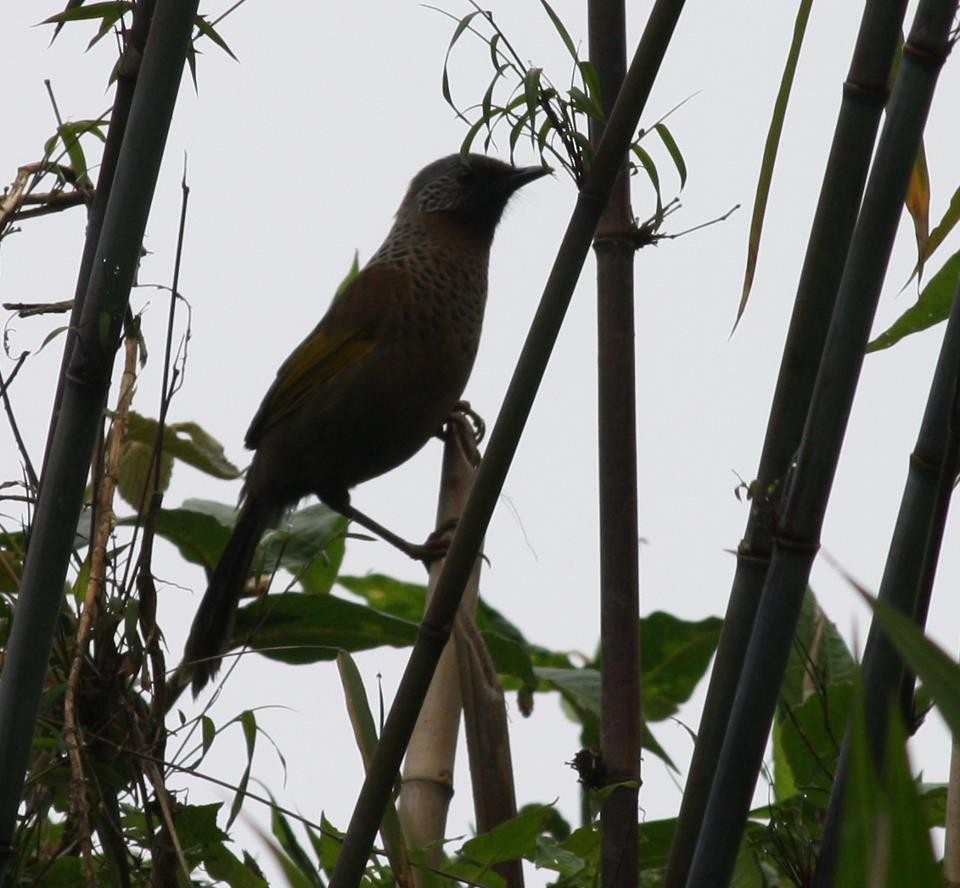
<point>650,168</point>
<point>770,148</point>
<point>674,150</point>
<point>531,89</point>
<point>561,30</point>
<point>585,104</point>
<point>937,670</point>
<point>931,307</point>
<point>207,30</point>
<point>248,722</point>
<point>591,81</point>
<point>945,225</point>
<point>285,835</point>
<point>112,8</point>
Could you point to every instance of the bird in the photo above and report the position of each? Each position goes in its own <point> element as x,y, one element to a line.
<point>373,381</point>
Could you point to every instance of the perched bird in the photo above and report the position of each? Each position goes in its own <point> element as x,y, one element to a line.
<point>375,379</point>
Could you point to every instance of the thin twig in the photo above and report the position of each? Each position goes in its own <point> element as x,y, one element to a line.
<point>8,408</point>
<point>29,309</point>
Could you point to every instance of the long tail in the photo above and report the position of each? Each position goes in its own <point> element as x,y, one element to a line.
<point>213,623</point>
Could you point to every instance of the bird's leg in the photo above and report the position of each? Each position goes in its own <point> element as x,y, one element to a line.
<point>432,550</point>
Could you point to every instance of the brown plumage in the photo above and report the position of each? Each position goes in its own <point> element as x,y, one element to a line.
<point>375,379</point>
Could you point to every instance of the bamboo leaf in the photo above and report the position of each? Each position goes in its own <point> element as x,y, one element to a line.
<point>917,202</point>
<point>931,307</point>
<point>674,150</point>
<point>561,30</point>
<point>770,149</point>
<point>207,30</point>
<point>112,10</point>
<point>937,670</point>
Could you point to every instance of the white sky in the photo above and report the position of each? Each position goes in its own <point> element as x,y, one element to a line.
<point>300,154</point>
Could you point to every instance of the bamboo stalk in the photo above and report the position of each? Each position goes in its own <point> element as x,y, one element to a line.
<point>807,492</point>
<point>617,468</point>
<point>864,95</point>
<point>529,371</point>
<point>908,572</point>
<point>427,781</point>
<point>86,384</point>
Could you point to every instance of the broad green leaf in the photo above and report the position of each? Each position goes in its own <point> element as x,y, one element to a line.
<point>185,441</point>
<point>137,473</point>
<point>296,628</point>
<point>819,656</point>
<point>509,840</point>
<point>770,148</point>
<point>226,868</point>
<point>810,735</point>
<point>309,544</point>
<point>197,825</point>
<point>674,655</point>
<point>199,529</point>
<point>932,306</point>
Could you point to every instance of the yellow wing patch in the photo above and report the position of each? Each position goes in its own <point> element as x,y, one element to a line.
<point>345,336</point>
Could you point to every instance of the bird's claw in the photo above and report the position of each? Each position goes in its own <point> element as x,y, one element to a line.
<point>436,545</point>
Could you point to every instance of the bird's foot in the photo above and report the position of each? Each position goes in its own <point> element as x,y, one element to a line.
<point>469,429</point>
<point>436,545</point>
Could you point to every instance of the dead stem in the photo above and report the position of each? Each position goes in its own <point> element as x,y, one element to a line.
<point>98,556</point>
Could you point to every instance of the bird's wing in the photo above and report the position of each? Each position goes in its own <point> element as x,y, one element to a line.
<point>345,336</point>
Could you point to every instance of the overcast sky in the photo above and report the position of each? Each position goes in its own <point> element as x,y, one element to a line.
<point>300,153</point>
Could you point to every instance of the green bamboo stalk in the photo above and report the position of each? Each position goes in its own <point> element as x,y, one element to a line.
<point>864,95</point>
<point>908,572</point>
<point>86,385</point>
<point>529,371</point>
<point>128,71</point>
<point>617,469</point>
<point>807,492</point>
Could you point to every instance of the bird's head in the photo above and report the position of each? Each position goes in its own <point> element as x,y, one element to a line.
<point>469,189</point>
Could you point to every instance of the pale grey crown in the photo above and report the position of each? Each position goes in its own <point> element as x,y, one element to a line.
<point>472,187</point>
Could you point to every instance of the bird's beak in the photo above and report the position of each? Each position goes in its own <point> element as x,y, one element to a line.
<point>525,175</point>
